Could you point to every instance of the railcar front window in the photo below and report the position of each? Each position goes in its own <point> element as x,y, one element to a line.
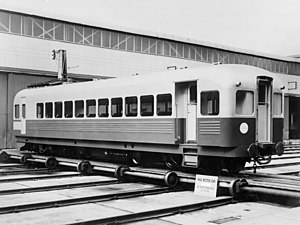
<point>23,111</point>
<point>210,103</point>
<point>103,107</point>
<point>164,105</point>
<point>68,109</point>
<point>58,109</point>
<point>116,107</point>
<point>147,105</point>
<point>244,102</point>
<point>131,106</point>
<point>49,110</point>
<point>277,104</point>
<point>91,108</point>
<point>79,109</point>
<point>17,111</point>
<point>40,110</point>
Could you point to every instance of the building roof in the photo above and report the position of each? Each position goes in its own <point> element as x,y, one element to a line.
<point>83,20</point>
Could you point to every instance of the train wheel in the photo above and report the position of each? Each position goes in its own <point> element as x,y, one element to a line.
<point>211,165</point>
<point>51,163</point>
<point>4,156</point>
<point>172,162</point>
<point>84,167</point>
<point>235,165</point>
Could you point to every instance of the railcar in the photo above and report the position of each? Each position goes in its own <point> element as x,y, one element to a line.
<point>212,117</point>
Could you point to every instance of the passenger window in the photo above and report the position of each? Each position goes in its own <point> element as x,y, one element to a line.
<point>277,104</point>
<point>103,107</point>
<point>91,108</point>
<point>147,105</point>
<point>58,109</point>
<point>40,110</point>
<point>164,105</point>
<point>116,107</point>
<point>79,109</point>
<point>244,102</point>
<point>68,109</point>
<point>131,106</point>
<point>210,103</point>
<point>23,111</point>
<point>49,110</point>
<point>17,111</point>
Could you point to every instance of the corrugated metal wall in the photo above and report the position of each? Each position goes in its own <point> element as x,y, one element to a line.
<point>10,84</point>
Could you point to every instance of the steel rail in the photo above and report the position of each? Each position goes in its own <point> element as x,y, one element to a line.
<point>273,165</point>
<point>58,187</point>
<point>158,213</point>
<point>10,165</point>
<point>294,184</point>
<point>84,200</point>
<point>43,176</point>
<point>286,156</point>
<point>85,167</point>
<point>236,187</point>
<point>14,172</point>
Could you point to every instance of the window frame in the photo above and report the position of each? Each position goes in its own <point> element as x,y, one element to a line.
<point>235,101</point>
<point>218,103</point>
<point>119,110</point>
<point>129,105</point>
<point>165,112</point>
<point>88,114</point>
<point>56,115</point>
<point>23,111</point>
<point>17,111</point>
<point>79,108</point>
<point>48,111</point>
<point>106,114</point>
<point>141,105</point>
<point>42,110</point>
<point>66,113</point>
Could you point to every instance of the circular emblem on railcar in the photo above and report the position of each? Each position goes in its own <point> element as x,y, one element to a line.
<point>244,128</point>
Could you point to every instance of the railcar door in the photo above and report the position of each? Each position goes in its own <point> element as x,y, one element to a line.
<point>186,110</point>
<point>191,123</point>
<point>23,115</point>
<point>264,121</point>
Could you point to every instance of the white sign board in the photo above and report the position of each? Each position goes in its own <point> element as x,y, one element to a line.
<point>206,185</point>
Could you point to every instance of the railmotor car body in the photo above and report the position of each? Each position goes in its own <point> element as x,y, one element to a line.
<point>212,116</point>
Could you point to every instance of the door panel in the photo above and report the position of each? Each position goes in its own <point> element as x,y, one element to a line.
<point>264,122</point>
<point>191,122</point>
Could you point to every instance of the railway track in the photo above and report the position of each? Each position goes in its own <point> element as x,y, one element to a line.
<point>73,198</point>
<point>77,199</point>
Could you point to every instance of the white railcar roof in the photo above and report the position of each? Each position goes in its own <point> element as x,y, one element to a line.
<point>225,76</point>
